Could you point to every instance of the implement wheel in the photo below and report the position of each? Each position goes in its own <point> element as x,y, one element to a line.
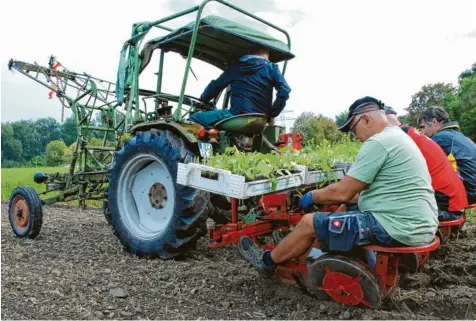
<point>25,212</point>
<point>345,280</point>
<point>152,215</point>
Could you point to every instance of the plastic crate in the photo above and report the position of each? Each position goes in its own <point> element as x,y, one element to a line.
<point>232,185</point>
<point>319,176</point>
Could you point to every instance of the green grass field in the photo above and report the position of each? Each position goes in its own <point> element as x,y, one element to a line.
<point>14,177</point>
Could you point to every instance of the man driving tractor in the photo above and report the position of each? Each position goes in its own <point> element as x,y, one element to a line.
<point>396,203</point>
<point>252,80</point>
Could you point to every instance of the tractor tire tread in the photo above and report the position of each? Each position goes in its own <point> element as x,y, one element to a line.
<point>191,219</point>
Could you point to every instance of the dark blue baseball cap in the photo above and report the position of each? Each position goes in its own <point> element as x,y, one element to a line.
<point>360,106</point>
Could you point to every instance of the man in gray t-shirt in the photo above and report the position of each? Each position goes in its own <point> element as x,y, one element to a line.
<point>399,193</point>
<point>390,181</point>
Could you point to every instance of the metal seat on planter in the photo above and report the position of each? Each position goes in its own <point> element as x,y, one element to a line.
<point>445,228</point>
<point>405,249</point>
<point>246,124</point>
<point>388,261</point>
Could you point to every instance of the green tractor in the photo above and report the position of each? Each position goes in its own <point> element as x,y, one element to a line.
<point>150,213</point>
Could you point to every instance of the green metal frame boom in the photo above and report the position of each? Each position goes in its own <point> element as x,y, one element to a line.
<point>86,96</point>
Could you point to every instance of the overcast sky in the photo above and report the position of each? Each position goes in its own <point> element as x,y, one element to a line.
<point>344,49</point>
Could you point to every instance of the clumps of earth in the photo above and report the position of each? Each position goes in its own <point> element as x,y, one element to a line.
<point>76,269</point>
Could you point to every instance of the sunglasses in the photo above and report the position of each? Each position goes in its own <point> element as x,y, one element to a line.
<point>352,129</point>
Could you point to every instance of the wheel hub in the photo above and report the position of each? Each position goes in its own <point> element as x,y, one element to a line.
<point>157,195</point>
<point>146,206</point>
<point>20,210</point>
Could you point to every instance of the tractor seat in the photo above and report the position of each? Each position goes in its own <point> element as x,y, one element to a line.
<point>246,124</point>
<point>405,249</point>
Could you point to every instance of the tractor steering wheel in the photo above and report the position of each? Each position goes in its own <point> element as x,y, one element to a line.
<point>197,103</point>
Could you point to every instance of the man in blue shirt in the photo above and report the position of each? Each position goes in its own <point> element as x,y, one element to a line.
<point>460,150</point>
<point>252,80</point>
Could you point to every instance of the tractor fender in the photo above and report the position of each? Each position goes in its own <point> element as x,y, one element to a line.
<point>190,141</point>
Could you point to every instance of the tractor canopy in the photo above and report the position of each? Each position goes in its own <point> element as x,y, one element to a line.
<point>219,42</point>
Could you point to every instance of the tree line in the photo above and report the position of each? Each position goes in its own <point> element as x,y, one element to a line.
<point>41,142</point>
<point>459,101</point>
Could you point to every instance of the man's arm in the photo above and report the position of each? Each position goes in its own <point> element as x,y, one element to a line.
<point>371,158</point>
<point>216,86</point>
<point>354,200</point>
<point>282,93</point>
<point>342,192</point>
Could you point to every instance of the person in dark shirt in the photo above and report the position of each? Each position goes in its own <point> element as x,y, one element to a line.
<point>252,80</point>
<point>460,150</point>
<point>450,193</point>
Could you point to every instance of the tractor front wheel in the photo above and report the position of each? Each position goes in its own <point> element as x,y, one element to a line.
<point>152,215</point>
<point>25,212</point>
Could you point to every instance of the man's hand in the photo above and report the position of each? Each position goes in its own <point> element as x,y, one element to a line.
<point>306,201</point>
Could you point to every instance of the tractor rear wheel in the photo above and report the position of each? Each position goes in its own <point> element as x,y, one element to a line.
<point>152,215</point>
<point>107,212</point>
<point>25,212</point>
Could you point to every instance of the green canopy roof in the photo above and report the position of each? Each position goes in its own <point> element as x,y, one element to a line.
<point>219,42</point>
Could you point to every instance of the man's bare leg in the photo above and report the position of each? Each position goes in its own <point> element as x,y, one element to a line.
<point>296,243</point>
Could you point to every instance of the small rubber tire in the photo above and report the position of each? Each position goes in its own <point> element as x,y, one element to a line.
<point>25,212</point>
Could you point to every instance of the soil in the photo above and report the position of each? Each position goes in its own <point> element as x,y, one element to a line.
<point>76,269</point>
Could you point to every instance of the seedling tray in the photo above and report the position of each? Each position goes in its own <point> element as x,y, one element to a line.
<point>232,185</point>
<point>319,176</point>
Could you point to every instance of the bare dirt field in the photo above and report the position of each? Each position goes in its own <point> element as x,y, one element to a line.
<point>76,269</point>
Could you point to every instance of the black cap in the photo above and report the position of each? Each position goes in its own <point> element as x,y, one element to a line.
<point>389,110</point>
<point>360,106</point>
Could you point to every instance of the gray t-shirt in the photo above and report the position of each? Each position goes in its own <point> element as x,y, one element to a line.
<point>399,194</point>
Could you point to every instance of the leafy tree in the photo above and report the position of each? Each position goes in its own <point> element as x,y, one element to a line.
<point>301,124</point>
<point>463,107</point>
<point>24,131</point>
<point>68,130</point>
<point>316,128</point>
<point>48,129</point>
<point>7,134</point>
<point>430,95</point>
<point>340,118</point>
<point>467,73</point>
<point>12,150</point>
<point>55,151</point>
<point>7,131</point>
<point>38,161</point>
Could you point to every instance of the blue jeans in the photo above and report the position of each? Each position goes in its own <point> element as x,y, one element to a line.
<point>448,216</point>
<point>342,231</point>
<point>208,118</point>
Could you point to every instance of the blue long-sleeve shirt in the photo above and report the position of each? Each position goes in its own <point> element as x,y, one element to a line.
<point>462,153</point>
<point>252,80</point>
